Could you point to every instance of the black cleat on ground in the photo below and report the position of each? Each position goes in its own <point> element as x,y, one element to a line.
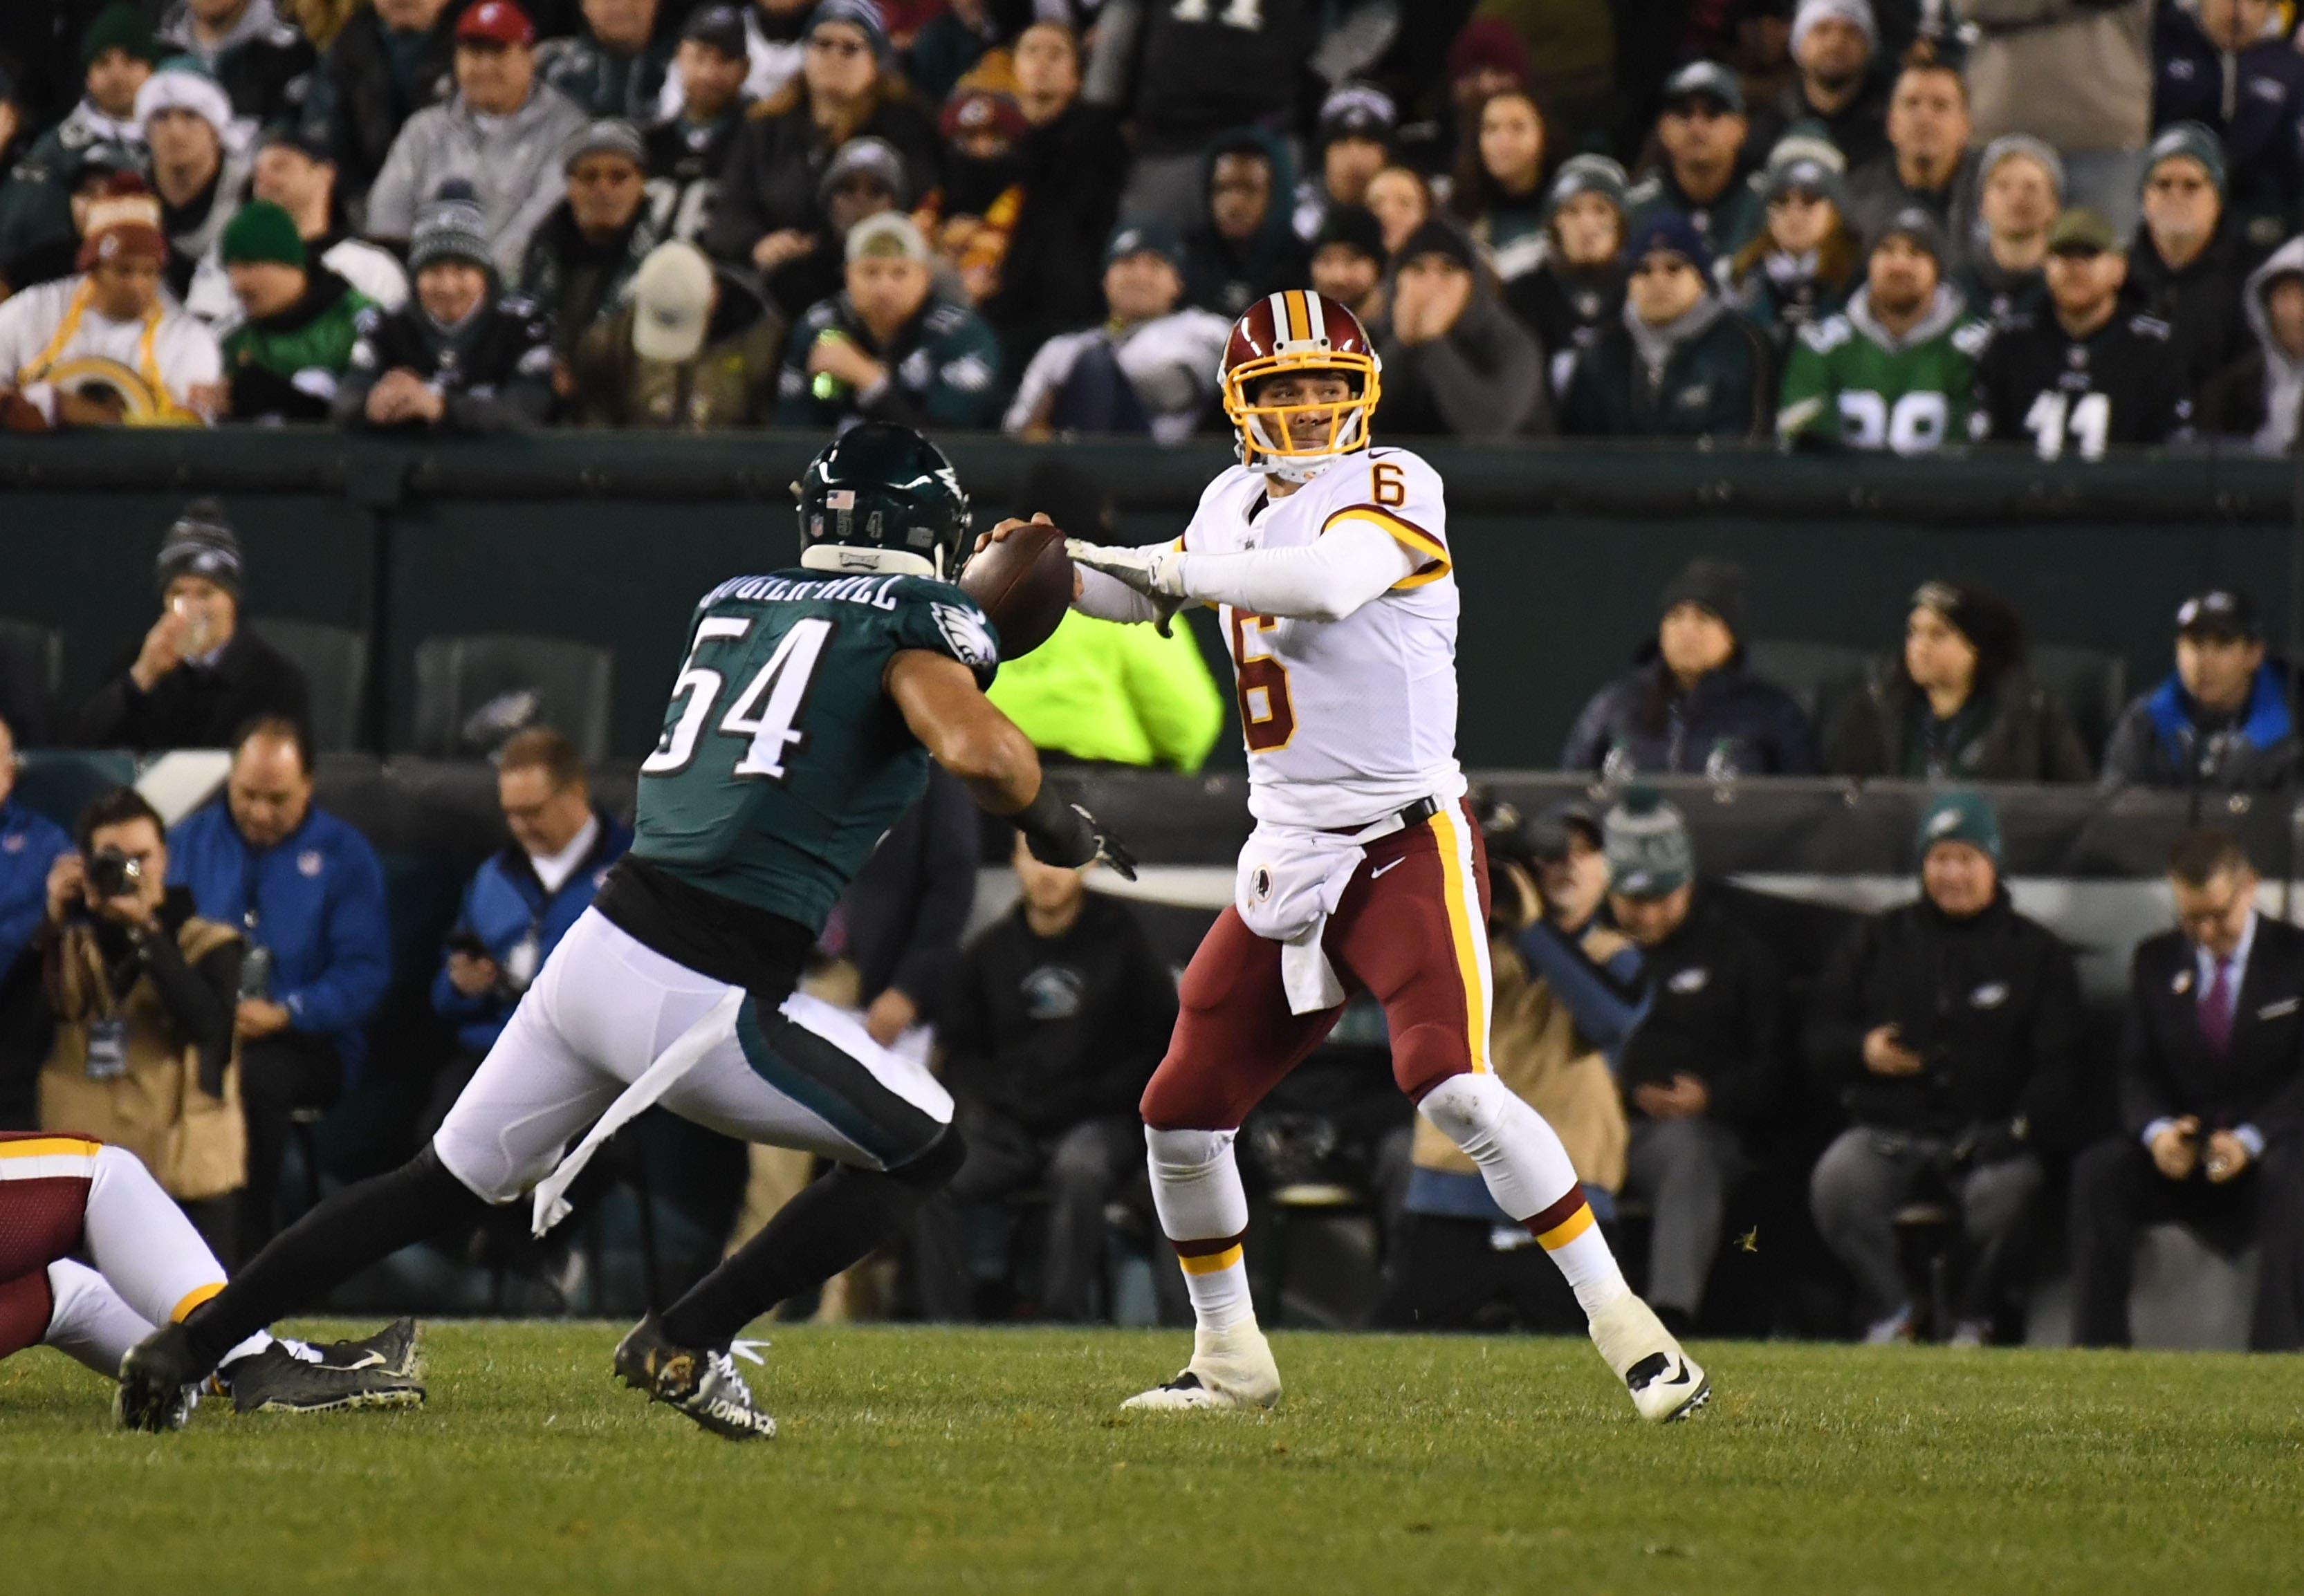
<point>156,1380</point>
<point>392,1350</point>
<point>704,1385</point>
<point>276,1381</point>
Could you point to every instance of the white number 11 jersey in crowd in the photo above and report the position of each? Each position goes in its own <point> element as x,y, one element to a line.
<point>1346,721</point>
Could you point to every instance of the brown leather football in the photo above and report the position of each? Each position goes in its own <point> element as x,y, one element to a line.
<point>1024,584</point>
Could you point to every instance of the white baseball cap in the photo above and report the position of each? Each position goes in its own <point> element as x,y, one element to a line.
<point>671,301</point>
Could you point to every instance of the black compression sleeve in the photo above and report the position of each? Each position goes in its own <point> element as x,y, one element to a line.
<point>1056,832</point>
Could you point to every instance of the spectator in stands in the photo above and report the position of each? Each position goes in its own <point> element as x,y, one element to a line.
<point>775,48</point>
<point>1801,265</point>
<point>197,175</point>
<point>1057,1014</point>
<point>1567,992</point>
<point>116,55</point>
<point>582,259</point>
<point>1148,368</point>
<point>1484,60</point>
<point>694,348</point>
<point>501,135</point>
<point>1075,162</point>
<point>1348,261</point>
<point>1896,370</point>
<point>263,63</point>
<point>1960,706</point>
<point>1928,163</point>
<point>462,357</point>
<point>865,179</point>
<point>2221,722</point>
<point>393,59</point>
<point>141,986</point>
<point>983,186</point>
<point>890,347</point>
<point>1456,363</point>
<point>1499,192</point>
<point>1699,1070</point>
<point>2223,65</point>
<point>1950,1030</point>
<point>769,194</point>
<point>56,256</point>
<point>1243,248</point>
<point>2084,373</point>
<point>2185,267</point>
<point>1098,693</point>
<point>611,67</point>
<point>29,845</point>
<point>307,892</point>
<point>200,673</point>
<point>522,900</point>
<point>1678,363</point>
<point>687,148</point>
<point>1836,82</point>
<point>2255,397</point>
<point>2211,1102</point>
<point>2076,74</point>
<point>107,346</point>
<point>298,321</point>
<point>1399,198</point>
<point>295,171</point>
<point>2019,187</point>
<point>1351,145</point>
<point>949,46</point>
<point>1702,128</point>
<point>1689,705</point>
<point>1577,293</point>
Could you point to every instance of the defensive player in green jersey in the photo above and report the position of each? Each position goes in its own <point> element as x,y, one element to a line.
<point>800,728</point>
<point>1896,370</point>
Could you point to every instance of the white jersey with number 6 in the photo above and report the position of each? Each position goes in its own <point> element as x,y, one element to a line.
<point>1346,721</point>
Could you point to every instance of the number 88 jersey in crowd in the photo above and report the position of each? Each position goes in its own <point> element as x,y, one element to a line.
<point>1346,721</point>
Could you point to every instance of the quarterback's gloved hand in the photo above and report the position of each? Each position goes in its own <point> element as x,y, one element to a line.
<point>1155,573</point>
<point>1065,834</point>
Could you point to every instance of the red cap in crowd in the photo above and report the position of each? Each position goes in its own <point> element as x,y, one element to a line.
<point>496,23</point>
<point>123,222</point>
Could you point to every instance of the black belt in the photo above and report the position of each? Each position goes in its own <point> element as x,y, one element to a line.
<point>1415,814</point>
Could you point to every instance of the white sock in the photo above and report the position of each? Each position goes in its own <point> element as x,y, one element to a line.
<point>90,1325</point>
<point>1529,1174</point>
<point>1204,1213</point>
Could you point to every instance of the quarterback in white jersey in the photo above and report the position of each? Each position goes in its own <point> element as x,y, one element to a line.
<point>1328,563</point>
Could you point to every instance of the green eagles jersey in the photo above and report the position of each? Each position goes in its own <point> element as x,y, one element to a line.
<point>1848,378</point>
<point>782,761</point>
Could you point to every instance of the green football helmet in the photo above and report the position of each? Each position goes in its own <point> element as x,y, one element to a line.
<point>881,498</point>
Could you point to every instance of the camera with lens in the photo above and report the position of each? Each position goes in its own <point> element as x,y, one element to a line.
<point>112,873</point>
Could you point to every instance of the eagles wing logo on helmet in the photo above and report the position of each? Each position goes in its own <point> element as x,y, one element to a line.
<point>969,635</point>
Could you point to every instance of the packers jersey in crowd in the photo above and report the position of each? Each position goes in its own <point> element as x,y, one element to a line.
<point>1850,379</point>
<point>783,761</point>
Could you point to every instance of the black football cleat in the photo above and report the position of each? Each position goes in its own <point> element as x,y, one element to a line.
<point>703,1384</point>
<point>277,1380</point>
<point>160,1380</point>
<point>392,1350</point>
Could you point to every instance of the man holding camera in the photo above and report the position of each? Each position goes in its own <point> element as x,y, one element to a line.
<point>200,675</point>
<point>142,990</point>
<point>1950,1031</point>
<point>307,892</point>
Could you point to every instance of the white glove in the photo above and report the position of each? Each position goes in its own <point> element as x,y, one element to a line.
<point>1158,574</point>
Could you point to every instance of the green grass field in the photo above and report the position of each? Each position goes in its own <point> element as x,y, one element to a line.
<point>935,1461</point>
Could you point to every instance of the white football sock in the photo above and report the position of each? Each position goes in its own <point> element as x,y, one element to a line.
<point>90,1325</point>
<point>1530,1177</point>
<point>1204,1213</point>
<point>147,1250</point>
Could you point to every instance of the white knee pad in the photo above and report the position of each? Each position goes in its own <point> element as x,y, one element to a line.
<point>1196,1184</point>
<point>1520,1156</point>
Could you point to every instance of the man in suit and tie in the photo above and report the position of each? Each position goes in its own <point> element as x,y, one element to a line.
<point>2212,1101</point>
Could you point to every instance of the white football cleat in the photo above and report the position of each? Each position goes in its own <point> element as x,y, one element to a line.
<point>1231,1370</point>
<point>1666,1382</point>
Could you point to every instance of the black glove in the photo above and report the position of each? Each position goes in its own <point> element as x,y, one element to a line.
<point>1062,834</point>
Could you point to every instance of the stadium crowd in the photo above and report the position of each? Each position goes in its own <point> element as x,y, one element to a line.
<point>1841,224</point>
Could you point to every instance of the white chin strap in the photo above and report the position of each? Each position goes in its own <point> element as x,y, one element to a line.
<point>1303,468</point>
<point>850,560</point>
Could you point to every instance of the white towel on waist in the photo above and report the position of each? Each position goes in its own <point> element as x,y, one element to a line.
<point>1290,881</point>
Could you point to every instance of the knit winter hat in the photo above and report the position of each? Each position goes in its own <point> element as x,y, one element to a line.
<point>123,222</point>
<point>1858,12</point>
<point>1994,629</point>
<point>865,14</point>
<point>974,109</point>
<point>262,232</point>
<point>1150,236</point>
<point>1807,160</point>
<point>866,156</point>
<point>1916,224</point>
<point>1355,227</point>
<point>1586,174</point>
<point>606,137</point>
<point>2038,150</point>
<point>1706,80</point>
<point>1435,237</point>
<point>200,542</point>
<point>2188,138</point>
<point>450,228</point>
<point>1719,585</point>
<point>1488,42</point>
<point>1646,839</point>
<point>183,84</point>
<point>120,26</point>
<point>722,27</point>
<point>1671,231</point>
<point>1959,816</point>
<point>1356,110</point>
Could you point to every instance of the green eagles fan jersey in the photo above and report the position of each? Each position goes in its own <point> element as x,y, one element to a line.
<point>1849,378</point>
<point>783,762</point>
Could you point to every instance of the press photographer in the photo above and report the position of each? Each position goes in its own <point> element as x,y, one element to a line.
<point>142,990</point>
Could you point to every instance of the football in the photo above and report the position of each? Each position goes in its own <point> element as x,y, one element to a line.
<point>1024,583</point>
